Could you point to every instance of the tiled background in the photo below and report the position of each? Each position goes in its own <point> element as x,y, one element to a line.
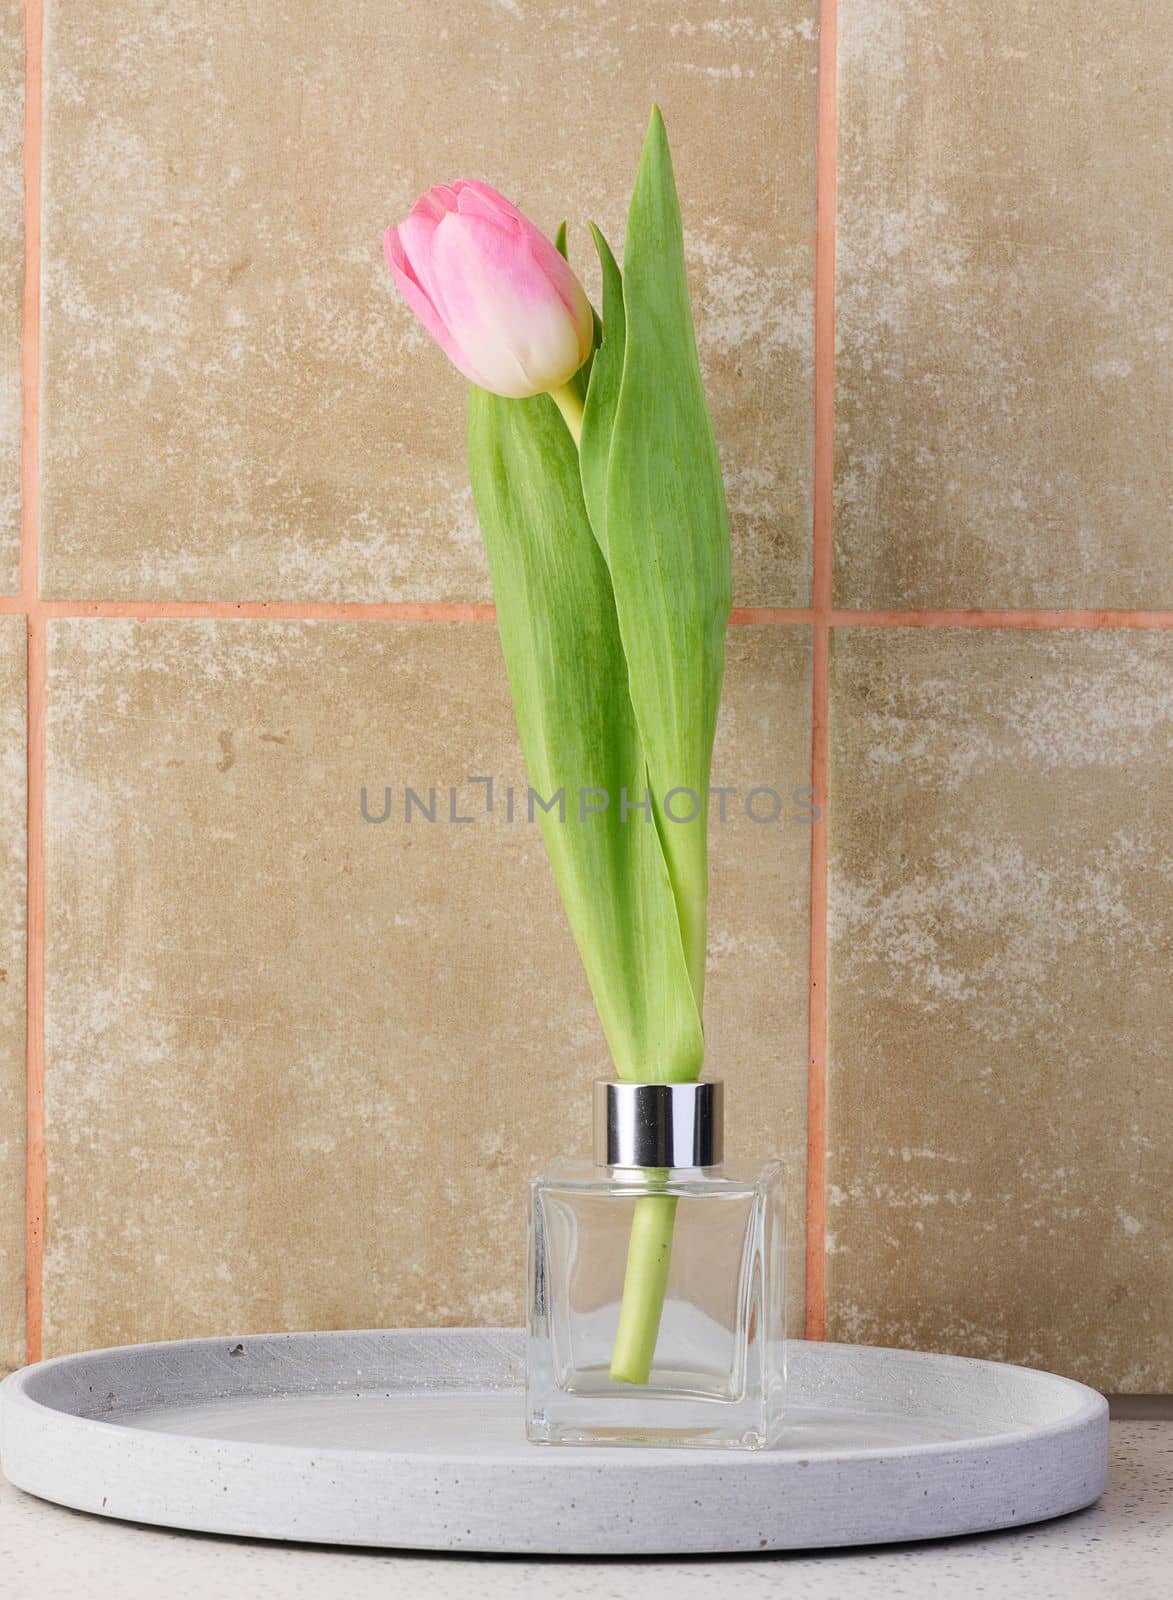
<point>237,406</point>
<point>1004,236</point>
<point>293,1068</point>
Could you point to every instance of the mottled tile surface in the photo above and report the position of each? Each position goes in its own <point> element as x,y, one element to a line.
<point>999,1150</point>
<point>237,403</point>
<point>11,284</point>
<point>1003,387</point>
<point>300,1065</point>
<point>12,922</point>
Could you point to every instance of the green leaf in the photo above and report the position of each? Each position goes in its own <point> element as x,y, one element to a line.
<point>582,377</point>
<point>568,676</point>
<point>603,393</point>
<point>658,509</point>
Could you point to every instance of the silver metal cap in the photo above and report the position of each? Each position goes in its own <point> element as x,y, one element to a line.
<point>659,1124</point>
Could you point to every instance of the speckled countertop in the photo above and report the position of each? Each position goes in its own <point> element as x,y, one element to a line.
<point>1122,1546</point>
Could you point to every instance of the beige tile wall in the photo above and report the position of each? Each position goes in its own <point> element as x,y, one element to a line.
<point>1003,386</point>
<point>998,1154</point>
<point>299,1065</point>
<point>302,1064</point>
<point>12,990</point>
<point>237,402</point>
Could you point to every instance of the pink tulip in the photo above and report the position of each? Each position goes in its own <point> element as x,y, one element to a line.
<point>491,290</point>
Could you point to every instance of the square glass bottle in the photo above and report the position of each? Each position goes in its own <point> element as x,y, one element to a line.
<point>656,1310</point>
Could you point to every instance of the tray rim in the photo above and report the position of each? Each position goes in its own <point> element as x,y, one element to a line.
<point>1067,1473</point>
<point>14,1393</point>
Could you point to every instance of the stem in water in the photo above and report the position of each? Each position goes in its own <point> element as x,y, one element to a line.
<point>649,1255</point>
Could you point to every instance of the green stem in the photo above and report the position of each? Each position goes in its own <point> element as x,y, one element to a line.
<point>570,403</point>
<point>649,1249</point>
<point>649,1254</point>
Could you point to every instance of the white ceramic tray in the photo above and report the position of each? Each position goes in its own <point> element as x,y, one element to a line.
<point>414,1439</point>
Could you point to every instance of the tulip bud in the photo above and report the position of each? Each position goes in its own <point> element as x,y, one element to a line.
<point>491,290</point>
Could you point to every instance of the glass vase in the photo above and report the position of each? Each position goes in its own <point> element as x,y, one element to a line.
<point>656,1308</point>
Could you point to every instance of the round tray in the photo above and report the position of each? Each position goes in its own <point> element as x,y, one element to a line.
<point>414,1439</point>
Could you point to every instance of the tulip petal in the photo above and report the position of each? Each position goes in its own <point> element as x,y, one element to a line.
<point>417,231</point>
<point>501,308</point>
<point>417,298</point>
<point>437,203</point>
<point>478,199</point>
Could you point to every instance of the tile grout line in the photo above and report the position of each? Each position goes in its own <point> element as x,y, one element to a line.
<point>36,1175</point>
<point>1082,621</point>
<point>36,676</point>
<point>257,610</point>
<point>822,530</point>
<point>481,611</point>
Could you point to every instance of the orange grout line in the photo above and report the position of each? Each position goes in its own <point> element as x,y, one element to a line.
<point>36,1172</point>
<point>36,1184</point>
<point>822,534</point>
<point>30,336</point>
<point>445,611</point>
<point>823,484</point>
<point>742,616</point>
<point>1001,619</point>
<point>457,611</point>
<point>816,1089</point>
<point>258,610</point>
